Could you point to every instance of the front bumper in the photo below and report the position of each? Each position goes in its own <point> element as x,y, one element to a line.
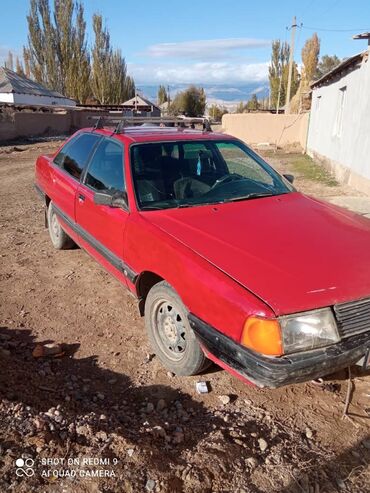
<point>272,372</point>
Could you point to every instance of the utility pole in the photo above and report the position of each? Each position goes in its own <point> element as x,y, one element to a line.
<point>291,60</point>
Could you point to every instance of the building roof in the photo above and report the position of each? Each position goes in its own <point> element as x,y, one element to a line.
<point>11,82</point>
<point>139,101</point>
<point>344,67</point>
<point>365,35</point>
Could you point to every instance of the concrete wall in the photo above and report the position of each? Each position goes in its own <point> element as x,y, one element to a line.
<point>17,124</point>
<point>278,130</point>
<point>339,131</point>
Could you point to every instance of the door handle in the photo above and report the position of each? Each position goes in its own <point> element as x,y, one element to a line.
<point>81,198</point>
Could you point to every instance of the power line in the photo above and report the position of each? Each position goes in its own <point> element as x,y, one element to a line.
<point>333,30</point>
<point>331,7</point>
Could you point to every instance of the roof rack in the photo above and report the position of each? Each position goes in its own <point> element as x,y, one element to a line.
<point>131,121</point>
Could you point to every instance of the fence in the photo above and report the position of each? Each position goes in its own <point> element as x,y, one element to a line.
<point>22,122</point>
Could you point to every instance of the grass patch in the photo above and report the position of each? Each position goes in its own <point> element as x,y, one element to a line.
<point>307,168</point>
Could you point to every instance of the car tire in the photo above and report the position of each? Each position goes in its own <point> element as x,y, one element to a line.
<point>170,334</point>
<point>59,238</point>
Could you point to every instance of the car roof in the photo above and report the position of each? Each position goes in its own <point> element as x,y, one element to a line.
<point>159,134</point>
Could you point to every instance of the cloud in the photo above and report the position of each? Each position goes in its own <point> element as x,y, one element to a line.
<point>231,90</point>
<point>209,48</point>
<point>202,72</point>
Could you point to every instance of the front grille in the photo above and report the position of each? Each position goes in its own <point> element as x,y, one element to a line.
<point>353,317</point>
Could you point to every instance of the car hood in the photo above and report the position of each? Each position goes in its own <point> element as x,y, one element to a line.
<point>294,252</point>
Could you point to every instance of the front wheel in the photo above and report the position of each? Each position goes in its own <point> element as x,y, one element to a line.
<point>59,238</point>
<point>169,332</point>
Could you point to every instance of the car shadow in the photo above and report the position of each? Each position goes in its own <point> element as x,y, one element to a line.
<point>69,405</point>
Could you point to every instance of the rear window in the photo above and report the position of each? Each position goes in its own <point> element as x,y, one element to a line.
<point>74,156</point>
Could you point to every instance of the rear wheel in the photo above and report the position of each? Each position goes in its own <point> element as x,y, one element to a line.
<point>59,238</point>
<point>169,332</point>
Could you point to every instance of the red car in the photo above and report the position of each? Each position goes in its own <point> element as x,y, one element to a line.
<point>227,260</point>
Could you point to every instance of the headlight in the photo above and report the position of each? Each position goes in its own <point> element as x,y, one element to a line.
<point>308,330</point>
<point>290,333</point>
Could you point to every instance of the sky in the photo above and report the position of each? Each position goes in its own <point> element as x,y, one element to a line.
<point>206,41</point>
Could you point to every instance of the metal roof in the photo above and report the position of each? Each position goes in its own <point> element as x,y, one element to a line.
<point>345,65</point>
<point>11,82</point>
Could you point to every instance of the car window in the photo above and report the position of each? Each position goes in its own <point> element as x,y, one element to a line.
<point>241,163</point>
<point>105,171</point>
<point>74,156</point>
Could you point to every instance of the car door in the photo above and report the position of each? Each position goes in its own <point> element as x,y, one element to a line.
<point>66,171</point>
<point>101,226</point>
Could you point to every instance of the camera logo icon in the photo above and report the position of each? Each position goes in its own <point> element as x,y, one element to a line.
<point>24,467</point>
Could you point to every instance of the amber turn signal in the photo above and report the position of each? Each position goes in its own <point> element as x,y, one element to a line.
<point>263,336</point>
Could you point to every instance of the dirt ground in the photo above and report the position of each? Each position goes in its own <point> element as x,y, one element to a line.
<point>109,400</point>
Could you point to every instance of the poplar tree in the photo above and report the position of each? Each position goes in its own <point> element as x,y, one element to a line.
<point>19,67</point>
<point>162,96</point>
<point>310,57</point>
<point>109,81</point>
<point>118,72</point>
<point>101,52</point>
<point>26,59</point>
<point>129,88</point>
<point>81,59</point>
<point>10,62</point>
<point>278,73</point>
<point>57,55</point>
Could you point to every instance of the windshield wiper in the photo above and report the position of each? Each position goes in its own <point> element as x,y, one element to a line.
<point>254,195</point>
<point>151,208</point>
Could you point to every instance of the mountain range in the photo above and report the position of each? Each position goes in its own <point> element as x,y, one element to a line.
<point>223,94</point>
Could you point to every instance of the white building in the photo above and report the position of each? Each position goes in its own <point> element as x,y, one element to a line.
<point>339,129</point>
<point>17,89</point>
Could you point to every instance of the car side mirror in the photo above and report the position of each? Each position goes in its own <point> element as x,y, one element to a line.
<point>290,178</point>
<point>118,199</point>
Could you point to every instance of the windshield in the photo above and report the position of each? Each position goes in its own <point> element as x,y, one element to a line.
<point>190,173</point>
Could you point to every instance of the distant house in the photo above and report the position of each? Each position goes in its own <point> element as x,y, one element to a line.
<point>340,120</point>
<point>164,107</point>
<point>141,106</point>
<point>17,89</point>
